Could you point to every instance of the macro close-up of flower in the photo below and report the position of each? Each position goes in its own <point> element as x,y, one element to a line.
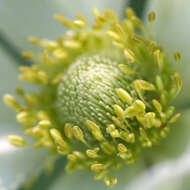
<point>101,99</point>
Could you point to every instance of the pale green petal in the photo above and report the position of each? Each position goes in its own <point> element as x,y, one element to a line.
<point>171,161</point>
<point>172,30</point>
<point>84,180</point>
<point>20,19</point>
<point>15,164</point>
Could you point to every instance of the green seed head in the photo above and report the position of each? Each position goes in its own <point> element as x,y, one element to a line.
<point>87,91</point>
<point>104,93</point>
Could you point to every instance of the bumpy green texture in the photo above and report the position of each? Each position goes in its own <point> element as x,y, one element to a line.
<point>104,93</point>
<point>87,90</point>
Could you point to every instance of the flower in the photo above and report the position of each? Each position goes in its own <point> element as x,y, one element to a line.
<point>104,92</point>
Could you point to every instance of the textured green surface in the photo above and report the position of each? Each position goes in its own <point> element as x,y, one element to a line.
<point>87,90</point>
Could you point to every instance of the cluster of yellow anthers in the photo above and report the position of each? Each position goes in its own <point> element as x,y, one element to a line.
<point>104,92</point>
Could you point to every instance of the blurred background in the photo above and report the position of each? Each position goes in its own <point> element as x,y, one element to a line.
<point>164,167</point>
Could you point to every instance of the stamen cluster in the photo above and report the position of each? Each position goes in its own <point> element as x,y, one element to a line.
<point>104,93</point>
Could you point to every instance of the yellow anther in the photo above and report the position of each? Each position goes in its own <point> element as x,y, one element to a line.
<point>136,109</point>
<point>63,149</point>
<point>71,44</point>
<point>143,85</point>
<point>44,124</point>
<point>178,85</point>
<point>169,111</point>
<point>113,35</point>
<point>136,21</point>
<point>126,69</point>
<point>151,16</point>
<point>16,140</point>
<point>112,131</point>
<point>71,157</point>
<point>79,23</point>
<point>148,120</point>
<point>129,55</point>
<point>68,130</point>
<point>99,18</point>
<point>129,26</point>
<point>81,17</point>
<point>119,111</point>
<point>42,115</point>
<point>119,29</point>
<point>92,153</point>
<point>163,98</point>
<point>129,12</point>
<point>34,40</point>
<point>97,167</point>
<point>100,175</point>
<point>63,20</point>
<point>138,39</point>
<point>157,122</point>
<point>20,91</point>
<point>177,56</point>
<point>91,125</point>
<point>175,118</point>
<point>42,77</point>
<point>46,58</point>
<point>118,123</point>
<point>139,105</point>
<point>22,117</point>
<point>118,44</point>
<point>49,44</point>
<point>159,83</point>
<point>108,148</point>
<point>56,136</point>
<point>121,148</point>
<point>35,131</point>
<point>152,46</point>
<point>97,26</point>
<point>27,54</point>
<point>131,138</point>
<point>128,137</point>
<point>59,54</point>
<point>96,12</point>
<point>110,181</point>
<point>158,57</point>
<point>124,95</point>
<point>143,133</point>
<point>31,99</point>
<point>178,81</point>
<point>95,130</point>
<point>123,151</point>
<point>77,132</point>
<point>62,146</point>
<point>79,155</point>
<point>110,14</point>
<point>11,101</point>
<point>147,143</point>
<point>157,105</point>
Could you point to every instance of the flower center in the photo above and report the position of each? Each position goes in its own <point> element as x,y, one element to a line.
<point>87,90</point>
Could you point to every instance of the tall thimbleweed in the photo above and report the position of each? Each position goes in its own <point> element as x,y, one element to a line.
<point>104,93</point>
